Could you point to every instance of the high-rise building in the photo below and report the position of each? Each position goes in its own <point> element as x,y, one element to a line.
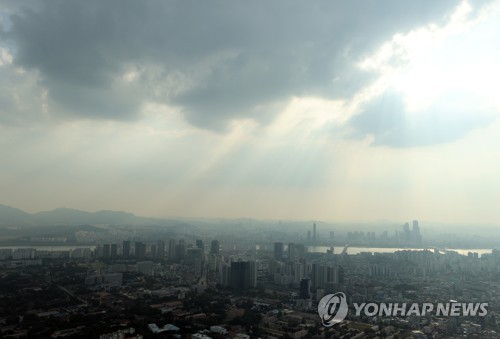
<point>126,249</point>
<point>213,262</point>
<point>291,252</point>
<point>323,274</point>
<point>278,251</point>
<point>153,250</point>
<point>298,272</point>
<point>415,225</point>
<point>160,249</point>
<point>106,251</point>
<point>416,238</point>
<point>243,274</point>
<point>114,250</point>
<point>305,288</point>
<point>171,249</point>
<point>225,275</point>
<point>300,250</point>
<point>215,247</point>
<point>140,249</point>
<point>314,233</point>
<point>193,254</point>
<point>340,274</point>
<point>180,250</point>
<point>199,244</point>
<point>406,232</point>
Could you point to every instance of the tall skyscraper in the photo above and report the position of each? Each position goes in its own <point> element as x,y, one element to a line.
<point>114,250</point>
<point>292,253</point>
<point>140,249</point>
<point>416,238</point>
<point>243,274</point>
<point>126,249</point>
<point>298,272</point>
<point>193,254</point>
<point>180,250</point>
<point>153,250</point>
<point>340,274</point>
<point>106,251</point>
<point>160,249</point>
<point>215,247</point>
<point>415,225</point>
<point>323,274</point>
<point>225,275</point>
<point>305,288</point>
<point>199,244</point>
<point>314,233</point>
<point>278,251</point>
<point>171,249</point>
<point>406,232</point>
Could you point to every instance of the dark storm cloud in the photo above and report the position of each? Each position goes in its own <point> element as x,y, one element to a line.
<point>235,58</point>
<point>387,120</point>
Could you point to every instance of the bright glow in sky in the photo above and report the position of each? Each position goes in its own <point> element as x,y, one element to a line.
<point>308,116</point>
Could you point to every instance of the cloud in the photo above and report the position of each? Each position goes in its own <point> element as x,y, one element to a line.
<point>388,121</point>
<point>216,61</point>
<point>435,84</point>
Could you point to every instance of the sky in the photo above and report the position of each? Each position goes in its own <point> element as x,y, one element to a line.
<point>324,110</point>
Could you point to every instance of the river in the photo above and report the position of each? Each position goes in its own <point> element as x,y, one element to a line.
<point>356,250</point>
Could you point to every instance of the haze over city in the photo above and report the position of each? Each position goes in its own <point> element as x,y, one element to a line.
<point>280,110</point>
<point>249,169</point>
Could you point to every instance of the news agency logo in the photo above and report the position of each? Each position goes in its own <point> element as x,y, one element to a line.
<point>332,309</point>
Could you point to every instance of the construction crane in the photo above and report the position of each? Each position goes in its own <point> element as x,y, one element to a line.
<point>344,251</point>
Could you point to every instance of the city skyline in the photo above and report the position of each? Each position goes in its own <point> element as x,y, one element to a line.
<point>217,110</point>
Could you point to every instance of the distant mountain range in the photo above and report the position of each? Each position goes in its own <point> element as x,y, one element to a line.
<point>10,216</point>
